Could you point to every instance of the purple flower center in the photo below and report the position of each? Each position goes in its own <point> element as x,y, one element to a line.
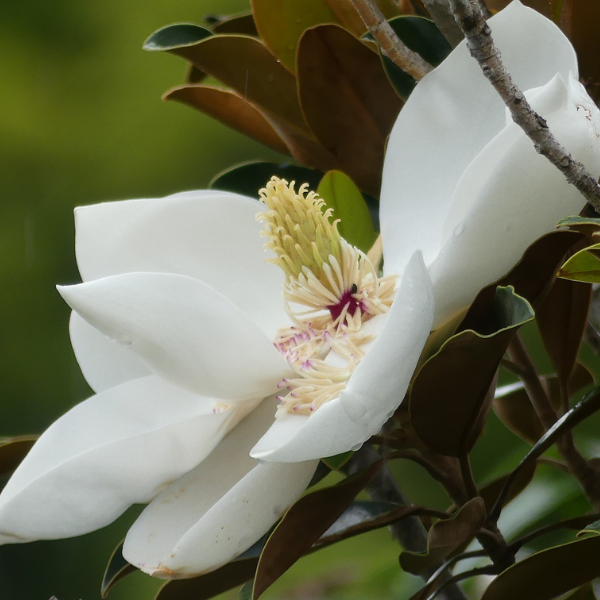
<point>346,300</point>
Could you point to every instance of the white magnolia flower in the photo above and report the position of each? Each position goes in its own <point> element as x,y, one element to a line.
<point>183,330</point>
<point>463,185</point>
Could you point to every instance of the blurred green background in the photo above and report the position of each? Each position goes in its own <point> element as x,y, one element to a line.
<point>82,121</point>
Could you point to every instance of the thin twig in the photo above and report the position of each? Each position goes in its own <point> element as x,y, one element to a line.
<point>470,19</point>
<point>391,45</point>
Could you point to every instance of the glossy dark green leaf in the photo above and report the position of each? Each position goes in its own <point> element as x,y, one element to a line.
<point>232,110</point>
<point>450,395</point>
<point>445,536</point>
<point>575,221</point>
<point>304,523</point>
<point>422,36</point>
<point>13,450</point>
<point>585,592</point>
<point>350,113</point>
<point>548,574</point>
<point>212,584</point>
<point>245,592</point>
<point>250,177</point>
<point>116,569</point>
<point>176,36</point>
<point>348,204</point>
<point>586,407</point>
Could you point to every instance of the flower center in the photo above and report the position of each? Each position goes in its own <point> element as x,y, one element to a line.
<point>331,289</point>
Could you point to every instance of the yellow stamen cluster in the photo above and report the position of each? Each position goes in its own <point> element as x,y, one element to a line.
<point>298,229</point>
<point>331,288</point>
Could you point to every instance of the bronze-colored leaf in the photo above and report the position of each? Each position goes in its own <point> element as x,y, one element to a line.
<point>244,64</point>
<point>231,109</point>
<point>13,450</point>
<point>548,574</point>
<point>303,524</point>
<point>562,319</point>
<point>347,100</point>
<point>445,536</point>
<point>451,392</point>
<point>207,586</point>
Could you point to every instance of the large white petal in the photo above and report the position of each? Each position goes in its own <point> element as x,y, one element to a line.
<point>219,509</point>
<point>510,195</point>
<point>451,115</point>
<point>184,331</point>
<point>209,235</point>
<point>103,362</point>
<point>375,389</point>
<point>120,447</point>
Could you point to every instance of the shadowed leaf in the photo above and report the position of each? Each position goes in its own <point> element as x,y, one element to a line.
<point>490,491</point>
<point>562,319</point>
<point>350,112</point>
<point>116,569</point>
<point>549,573</point>
<point>250,177</point>
<point>348,204</point>
<point>232,110</point>
<point>304,523</point>
<point>207,586</point>
<point>445,536</point>
<point>514,408</point>
<point>451,393</point>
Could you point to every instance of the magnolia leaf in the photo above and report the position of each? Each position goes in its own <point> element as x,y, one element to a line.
<point>244,64</point>
<point>585,592</point>
<point>207,586</point>
<point>583,266</point>
<point>576,221</point>
<point>13,450</point>
<point>450,395</point>
<point>515,410</point>
<point>232,110</point>
<point>586,407</point>
<point>347,100</point>
<point>304,523</point>
<point>585,17</point>
<point>176,36</point>
<point>242,24</point>
<point>549,573</point>
<point>562,318</point>
<point>422,36</point>
<point>445,536</point>
<point>281,23</point>
<point>245,592</point>
<point>116,569</point>
<point>532,274</point>
<point>348,204</point>
<point>249,178</point>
